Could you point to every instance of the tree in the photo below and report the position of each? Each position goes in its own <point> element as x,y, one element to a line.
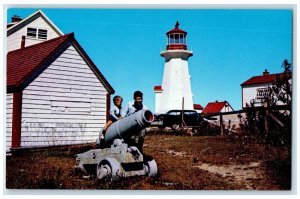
<point>271,120</point>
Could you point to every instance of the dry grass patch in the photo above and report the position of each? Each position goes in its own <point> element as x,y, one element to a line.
<point>184,163</point>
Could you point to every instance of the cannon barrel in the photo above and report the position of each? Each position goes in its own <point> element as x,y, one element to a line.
<point>129,126</point>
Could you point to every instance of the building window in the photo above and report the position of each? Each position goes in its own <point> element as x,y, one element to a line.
<point>262,93</point>
<point>37,33</point>
<point>31,32</point>
<point>42,34</point>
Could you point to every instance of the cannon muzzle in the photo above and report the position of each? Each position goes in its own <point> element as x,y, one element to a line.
<point>129,126</point>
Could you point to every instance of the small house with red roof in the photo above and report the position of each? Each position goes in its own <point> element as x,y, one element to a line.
<point>257,87</point>
<point>217,107</point>
<point>198,108</point>
<point>56,95</point>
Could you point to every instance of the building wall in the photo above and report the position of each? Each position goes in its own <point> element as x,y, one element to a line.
<point>158,101</point>
<point>231,122</point>
<point>14,40</point>
<point>65,105</point>
<point>9,107</point>
<point>176,85</point>
<point>198,111</point>
<point>249,93</point>
<point>226,109</point>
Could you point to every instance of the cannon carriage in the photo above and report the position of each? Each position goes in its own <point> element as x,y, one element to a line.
<point>121,158</point>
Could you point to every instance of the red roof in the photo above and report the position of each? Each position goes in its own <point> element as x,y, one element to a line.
<point>214,107</point>
<point>158,88</point>
<point>176,30</point>
<point>21,62</point>
<point>25,64</point>
<point>262,79</point>
<point>198,107</point>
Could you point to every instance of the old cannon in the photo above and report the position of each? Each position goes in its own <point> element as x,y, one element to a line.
<point>120,159</point>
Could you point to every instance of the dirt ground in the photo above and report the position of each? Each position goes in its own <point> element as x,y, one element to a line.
<point>184,163</point>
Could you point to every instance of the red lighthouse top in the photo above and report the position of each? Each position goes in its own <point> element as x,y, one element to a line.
<point>176,39</point>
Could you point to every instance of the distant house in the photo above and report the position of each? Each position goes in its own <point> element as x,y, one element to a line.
<point>257,87</point>
<point>55,95</point>
<point>198,108</point>
<point>34,29</point>
<point>217,107</point>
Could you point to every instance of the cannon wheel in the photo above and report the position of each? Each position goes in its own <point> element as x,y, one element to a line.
<point>108,169</point>
<point>151,168</point>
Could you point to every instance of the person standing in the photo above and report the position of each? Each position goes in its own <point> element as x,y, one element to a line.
<point>131,108</point>
<point>135,105</point>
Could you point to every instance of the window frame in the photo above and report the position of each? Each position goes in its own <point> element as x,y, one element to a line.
<point>38,33</point>
<point>31,32</point>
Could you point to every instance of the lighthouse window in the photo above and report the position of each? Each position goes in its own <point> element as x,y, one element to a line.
<point>181,39</point>
<point>177,38</point>
<point>172,41</point>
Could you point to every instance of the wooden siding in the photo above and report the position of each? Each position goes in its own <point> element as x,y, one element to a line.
<point>249,93</point>
<point>14,40</point>
<point>65,105</point>
<point>9,107</point>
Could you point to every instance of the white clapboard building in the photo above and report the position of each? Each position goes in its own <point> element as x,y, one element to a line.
<point>36,28</point>
<point>55,95</point>
<point>257,87</point>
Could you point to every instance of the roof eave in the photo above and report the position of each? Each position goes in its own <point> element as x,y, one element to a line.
<point>40,67</point>
<point>27,18</point>
<point>253,84</point>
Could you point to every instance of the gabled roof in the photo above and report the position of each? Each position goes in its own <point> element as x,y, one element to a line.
<point>198,107</point>
<point>214,107</point>
<point>25,64</point>
<point>31,18</point>
<point>262,79</point>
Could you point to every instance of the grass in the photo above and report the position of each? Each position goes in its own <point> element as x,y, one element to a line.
<point>178,159</point>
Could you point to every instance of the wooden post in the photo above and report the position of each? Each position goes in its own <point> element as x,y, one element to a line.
<point>221,125</point>
<point>107,106</point>
<point>276,119</point>
<point>266,119</point>
<point>182,112</point>
<point>16,119</point>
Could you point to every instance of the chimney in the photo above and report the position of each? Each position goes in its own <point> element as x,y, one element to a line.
<point>16,18</point>
<point>23,42</point>
<point>266,72</point>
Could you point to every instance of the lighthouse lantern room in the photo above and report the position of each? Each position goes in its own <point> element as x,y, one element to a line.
<point>175,91</point>
<point>176,39</point>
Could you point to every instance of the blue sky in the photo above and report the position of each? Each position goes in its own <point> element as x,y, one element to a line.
<point>229,46</point>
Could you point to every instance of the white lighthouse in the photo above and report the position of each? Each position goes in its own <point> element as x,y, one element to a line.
<point>175,91</point>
